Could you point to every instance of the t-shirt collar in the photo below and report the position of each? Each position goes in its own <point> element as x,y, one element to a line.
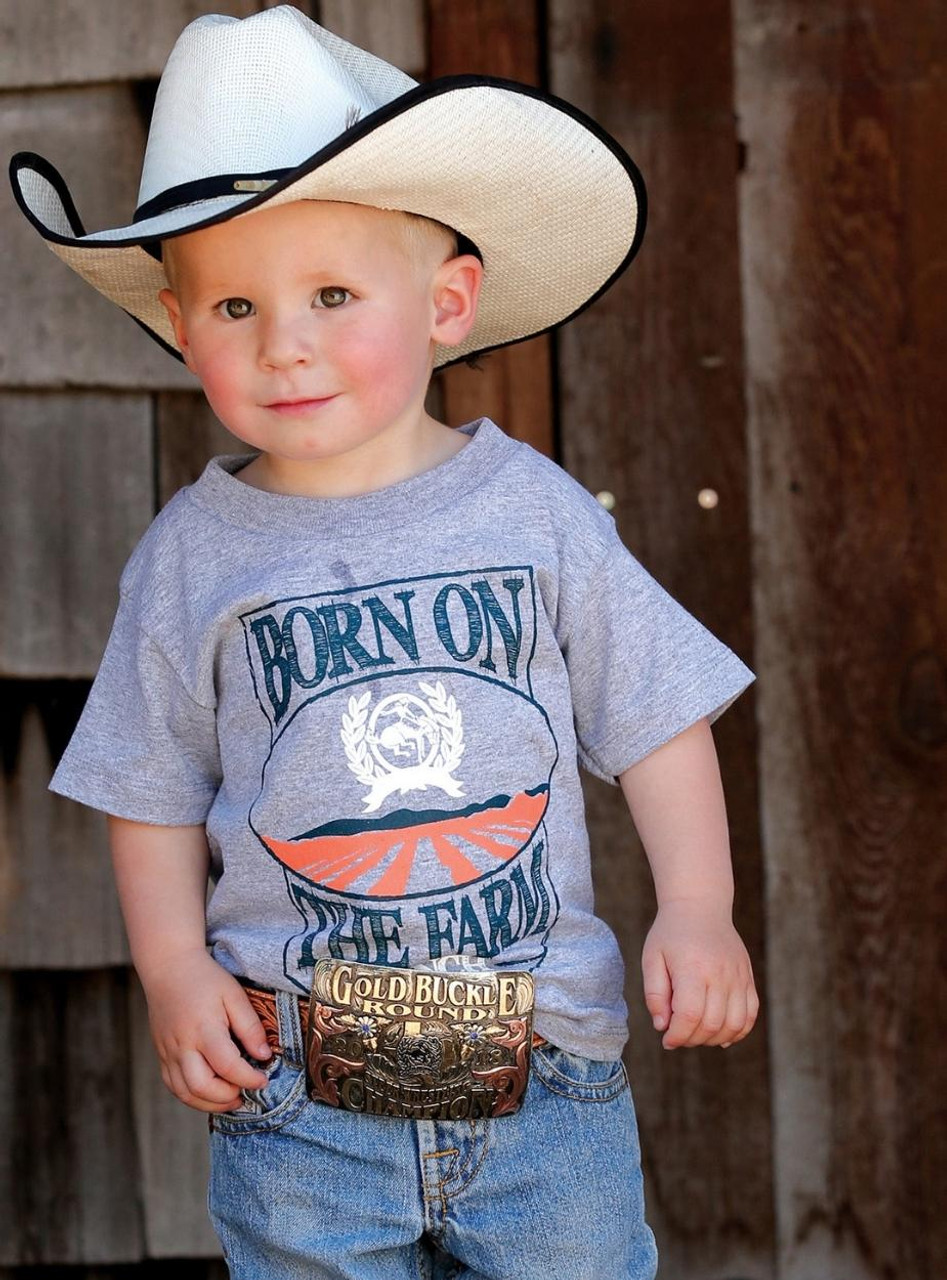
<point>382,510</point>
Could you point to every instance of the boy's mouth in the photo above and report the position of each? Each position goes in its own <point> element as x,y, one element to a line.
<point>300,406</point>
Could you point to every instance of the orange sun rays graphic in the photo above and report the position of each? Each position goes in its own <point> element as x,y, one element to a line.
<point>378,861</point>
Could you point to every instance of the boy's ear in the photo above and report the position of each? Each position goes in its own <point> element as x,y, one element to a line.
<point>456,291</point>
<point>173,308</point>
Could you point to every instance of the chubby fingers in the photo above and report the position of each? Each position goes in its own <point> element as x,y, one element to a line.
<point>192,1082</point>
<point>749,1008</point>
<point>245,1025</point>
<point>225,1060</point>
<point>724,1016</point>
<point>688,1002</point>
<point>711,1015</point>
<point>657,987</point>
<point>211,1076</point>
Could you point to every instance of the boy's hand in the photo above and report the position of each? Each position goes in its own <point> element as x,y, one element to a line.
<point>196,1010</point>
<point>698,980</point>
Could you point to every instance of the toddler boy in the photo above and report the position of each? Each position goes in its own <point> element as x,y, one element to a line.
<point>353,673</point>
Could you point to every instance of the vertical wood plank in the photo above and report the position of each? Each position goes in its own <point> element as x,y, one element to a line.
<point>651,409</point>
<point>842,217</point>
<point>58,905</point>
<point>178,1269</point>
<point>59,331</point>
<point>514,385</point>
<point>61,41</point>
<point>74,506</point>
<point>173,1153</point>
<point>390,29</point>
<point>188,435</point>
<point>68,1171</point>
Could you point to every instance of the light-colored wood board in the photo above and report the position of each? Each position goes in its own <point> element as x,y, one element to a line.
<point>55,42</point>
<point>512,386</point>
<point>58,906</point>
<point>390,29</point>
<point>68,1184</point>
<point>188,436</point>
<point>56,330</point>
<point>651,409</point>
<point>842,243</point>
<point>73,503</point>
<point>172,1151</point>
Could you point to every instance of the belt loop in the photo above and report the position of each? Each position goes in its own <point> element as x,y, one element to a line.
<point>290,1027</point>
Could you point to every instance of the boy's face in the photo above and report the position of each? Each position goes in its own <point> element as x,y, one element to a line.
<point>311,326</point>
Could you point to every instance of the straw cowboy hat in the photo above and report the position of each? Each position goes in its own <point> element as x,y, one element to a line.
<point>262,110</point>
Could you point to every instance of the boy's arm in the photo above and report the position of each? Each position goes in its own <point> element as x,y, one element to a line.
<point>698,979</point>
<point>195,1007</point>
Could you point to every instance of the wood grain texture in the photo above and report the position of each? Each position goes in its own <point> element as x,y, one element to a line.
<point>651,409</point>
<point>59,331</point>
<point>59,42</point>
<point>188,435</point>
<point>68,1166</point>
<point>176,1269</point>
<point>390,29</point>
<point>513,386</point>
<point>74,505</point>
<point>172,1145</point>
<point>58,906</point>
<point>842,227</point>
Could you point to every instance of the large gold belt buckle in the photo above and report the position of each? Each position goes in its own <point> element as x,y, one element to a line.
<point>424,1044</point>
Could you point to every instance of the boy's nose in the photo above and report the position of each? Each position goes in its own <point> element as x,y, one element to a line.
<point>284,341</point>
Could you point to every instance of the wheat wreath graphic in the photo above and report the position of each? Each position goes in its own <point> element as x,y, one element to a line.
<point>405,744</point>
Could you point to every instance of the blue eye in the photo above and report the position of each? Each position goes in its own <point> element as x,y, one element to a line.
<point>332,296</point>
<point>236,308</point>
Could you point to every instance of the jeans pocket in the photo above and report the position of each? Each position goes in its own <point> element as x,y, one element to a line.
<point>582,1079</point>
<point>260,1110</point>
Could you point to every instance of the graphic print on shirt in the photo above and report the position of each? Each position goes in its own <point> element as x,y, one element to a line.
<point>409,770</point>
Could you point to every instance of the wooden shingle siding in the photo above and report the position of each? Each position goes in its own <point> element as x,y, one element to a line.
<point>61,332</point>
<point>67,1190</point>
<point>391,29</point>
<point>842,110</point>
<point>58,905</point>
<point>75,504</point>
<point>172,1155</point>
<point>178,1269</point>
<point>72,41</point>
<point>650,402</point>
<point>188,434</point>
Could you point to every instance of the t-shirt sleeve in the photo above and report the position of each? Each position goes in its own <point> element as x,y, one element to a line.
<point>641,668</point>
<point>143,749</point>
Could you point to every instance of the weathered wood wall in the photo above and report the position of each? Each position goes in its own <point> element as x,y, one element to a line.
<point>779,342</point>
<point>651,404</point>
<point>844,116</point>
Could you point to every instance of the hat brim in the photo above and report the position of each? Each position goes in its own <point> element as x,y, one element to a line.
<point>555,206</point>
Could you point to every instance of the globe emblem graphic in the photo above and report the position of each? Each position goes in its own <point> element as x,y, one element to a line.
<point>402,733</point>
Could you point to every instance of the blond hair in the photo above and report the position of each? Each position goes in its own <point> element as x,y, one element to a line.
<point>427,238</point>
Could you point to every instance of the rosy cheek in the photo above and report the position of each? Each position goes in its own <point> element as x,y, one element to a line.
<point>217,370</point>
<point>384,357</point>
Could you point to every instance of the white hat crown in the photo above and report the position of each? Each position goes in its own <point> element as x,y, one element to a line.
<point>251,95</point>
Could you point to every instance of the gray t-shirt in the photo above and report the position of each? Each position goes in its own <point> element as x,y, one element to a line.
<point>378,706</point>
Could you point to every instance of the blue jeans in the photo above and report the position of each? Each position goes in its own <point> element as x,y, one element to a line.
<point>554,1192</point>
